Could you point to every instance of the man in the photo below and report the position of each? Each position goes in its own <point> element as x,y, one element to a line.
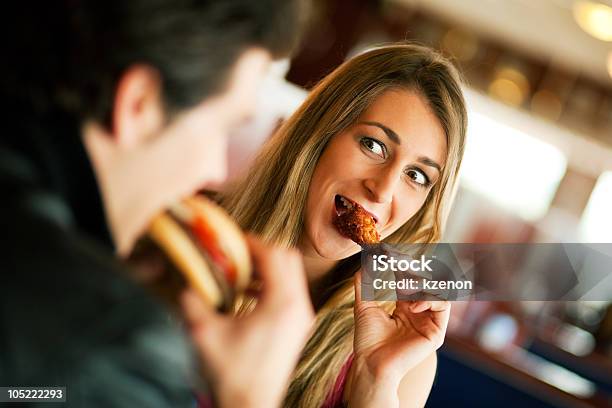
<point>112,111</point>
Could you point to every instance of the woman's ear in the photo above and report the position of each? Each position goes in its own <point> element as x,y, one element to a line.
<point>137,113</point>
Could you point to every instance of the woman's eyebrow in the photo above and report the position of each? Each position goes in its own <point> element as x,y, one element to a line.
<point>395,138</point>
<point>428,162</point>
<point>390,133</point>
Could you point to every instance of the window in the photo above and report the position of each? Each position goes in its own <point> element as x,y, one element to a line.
<point>596,224</point>
<point>511,168</point>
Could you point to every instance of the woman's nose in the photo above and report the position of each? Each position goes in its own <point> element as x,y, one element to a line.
<point>381,185</point>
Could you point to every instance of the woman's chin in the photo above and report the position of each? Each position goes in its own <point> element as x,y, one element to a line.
<point>332,245</point>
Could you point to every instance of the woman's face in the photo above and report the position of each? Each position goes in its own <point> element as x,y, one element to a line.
<point>387,162</point>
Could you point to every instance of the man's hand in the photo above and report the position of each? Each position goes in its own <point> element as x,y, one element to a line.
<point>250,358</point>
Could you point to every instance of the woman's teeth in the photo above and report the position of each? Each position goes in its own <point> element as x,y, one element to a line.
<point>343,205</point>
<point>346,203</point>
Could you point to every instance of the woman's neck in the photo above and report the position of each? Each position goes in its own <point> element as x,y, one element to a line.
<point>317,271</point>
<point>316,268</point>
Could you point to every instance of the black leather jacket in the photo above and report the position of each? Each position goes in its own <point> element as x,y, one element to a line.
<point>69,315</point>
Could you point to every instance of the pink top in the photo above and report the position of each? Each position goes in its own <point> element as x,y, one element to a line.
<point>334,398</point>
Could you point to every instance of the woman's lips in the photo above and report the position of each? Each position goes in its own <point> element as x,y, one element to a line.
<point>354,222</point>
<point>344,204</point>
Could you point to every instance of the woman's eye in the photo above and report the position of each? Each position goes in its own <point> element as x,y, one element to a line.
<point>374,146</point>
<point>418,177</point>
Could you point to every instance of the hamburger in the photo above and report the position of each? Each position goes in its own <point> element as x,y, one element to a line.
<point>195,243</point>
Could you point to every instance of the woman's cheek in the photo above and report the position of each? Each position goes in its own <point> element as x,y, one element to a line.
<point>408,211</point>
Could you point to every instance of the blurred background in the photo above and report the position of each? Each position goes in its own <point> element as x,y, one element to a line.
<point>538,168</point>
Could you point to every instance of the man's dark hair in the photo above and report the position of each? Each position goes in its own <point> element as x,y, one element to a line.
<point>69,55</point>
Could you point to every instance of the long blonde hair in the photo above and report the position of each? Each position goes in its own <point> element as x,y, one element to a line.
<point>270,201</point>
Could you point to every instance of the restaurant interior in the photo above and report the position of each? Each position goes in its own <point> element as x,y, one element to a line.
<point>537,169</point>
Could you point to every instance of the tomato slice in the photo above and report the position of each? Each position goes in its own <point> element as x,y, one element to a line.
<point>208,240</point>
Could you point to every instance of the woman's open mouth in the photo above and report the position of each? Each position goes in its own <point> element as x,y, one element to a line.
<point>344,205</point>
<point>355,222</point>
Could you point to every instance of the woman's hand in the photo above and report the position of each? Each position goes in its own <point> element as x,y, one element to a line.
<point>250,358</point>
<point>387,346</point>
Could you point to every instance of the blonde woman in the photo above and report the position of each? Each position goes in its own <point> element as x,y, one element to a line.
<point>385,130</point>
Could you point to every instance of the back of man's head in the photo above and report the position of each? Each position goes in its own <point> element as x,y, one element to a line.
<point>68,56</point>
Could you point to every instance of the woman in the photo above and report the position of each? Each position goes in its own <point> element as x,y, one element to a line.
<point>385,130</point>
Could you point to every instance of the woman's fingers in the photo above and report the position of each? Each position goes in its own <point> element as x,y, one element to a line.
<point>420,306</point>
<point>359,302</point>
<point>357,283</point>
<point>439,311</point>
<point>440,305</point>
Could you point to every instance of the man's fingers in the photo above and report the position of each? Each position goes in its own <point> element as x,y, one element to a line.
<point>281,272</point>
<point>267,262</point>
<point>205,327</point>
<point>196,312</point>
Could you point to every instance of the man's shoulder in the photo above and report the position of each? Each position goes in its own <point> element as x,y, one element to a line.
<point>72,313</point>
<point>41,248</point>
<point>67,272</point>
